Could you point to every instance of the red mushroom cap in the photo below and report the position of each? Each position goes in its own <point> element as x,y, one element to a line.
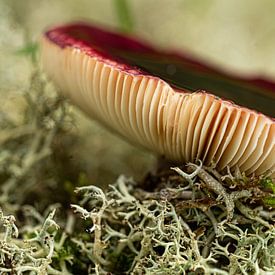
<point>147,97</point>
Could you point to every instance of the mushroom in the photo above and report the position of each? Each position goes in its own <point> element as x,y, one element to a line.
<point>149,97</point>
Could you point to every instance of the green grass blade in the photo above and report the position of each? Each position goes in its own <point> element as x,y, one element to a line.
<point>124,15</point>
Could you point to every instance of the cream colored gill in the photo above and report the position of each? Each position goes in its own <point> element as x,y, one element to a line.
<point>110,99</point>
<point>268,164</point>
<point>237,139</point>
<point>153,117</point>
<point>132,108</point>
<point>138,109</point>
<point>160,118</point>
<point>219,136</point>
<point>245,139</point>
<point>214,129</point>
<point>125,100</point>
<point>169,122</point>
<point>83,73</point>
<point>229,133</point>
<point>195,113</point>
<point>208,126</point>
<point>202,119</point>
<point>117,101</point>
<point>176,129</point>
<point>268,146</point>
<point>184,119</point>
<point>258,151</point>
<point>103,89</point>
<point>253,143</point>
<point>146,105</point>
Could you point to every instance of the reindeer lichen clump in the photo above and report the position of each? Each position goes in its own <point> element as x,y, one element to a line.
<point>181,220</point>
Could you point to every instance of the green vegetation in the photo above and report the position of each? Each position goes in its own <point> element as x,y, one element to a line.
<point>124,15</point>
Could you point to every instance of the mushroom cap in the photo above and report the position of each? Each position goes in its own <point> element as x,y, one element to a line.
<point>100,72</point>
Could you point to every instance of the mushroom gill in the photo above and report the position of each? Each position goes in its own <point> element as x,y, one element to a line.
<point>149,111</point>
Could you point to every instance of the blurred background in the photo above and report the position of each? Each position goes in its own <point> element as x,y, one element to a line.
<point>236,35</point>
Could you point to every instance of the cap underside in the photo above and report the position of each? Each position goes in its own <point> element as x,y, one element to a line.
<point>146,110</point>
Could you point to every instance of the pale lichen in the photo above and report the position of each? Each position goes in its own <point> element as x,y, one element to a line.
<point>34,255</point>
<point>189,220</point>
<point>142,235</point>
